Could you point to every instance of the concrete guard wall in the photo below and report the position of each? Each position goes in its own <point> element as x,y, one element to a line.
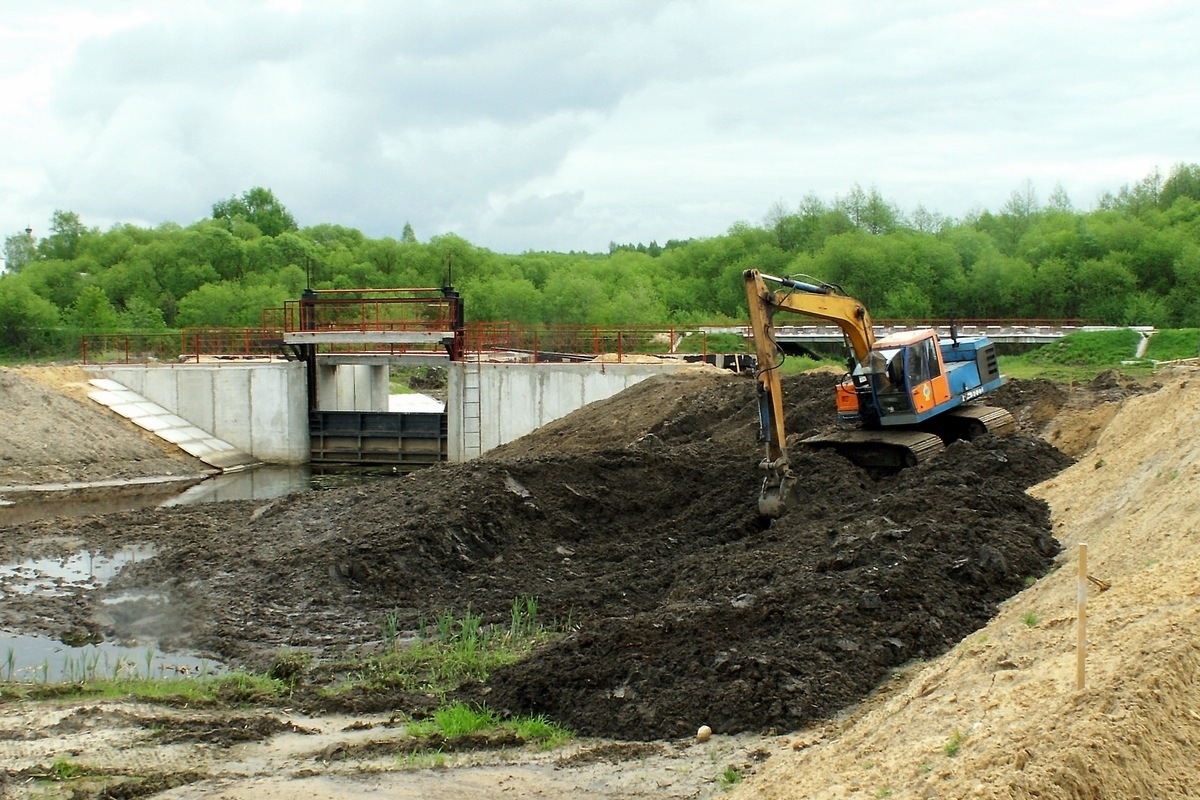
<point>352,387</point>
<point>515,399</point>
<point>259,408</point>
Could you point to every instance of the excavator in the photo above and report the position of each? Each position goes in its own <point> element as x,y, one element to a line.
<point>907,394</point>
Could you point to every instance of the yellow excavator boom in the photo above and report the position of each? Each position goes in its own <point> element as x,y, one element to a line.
<point>810,300</point>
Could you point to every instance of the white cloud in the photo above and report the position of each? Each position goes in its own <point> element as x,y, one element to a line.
<point>532,125</point>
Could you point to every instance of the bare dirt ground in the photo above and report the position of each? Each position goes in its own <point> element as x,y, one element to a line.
<point>635,517</point>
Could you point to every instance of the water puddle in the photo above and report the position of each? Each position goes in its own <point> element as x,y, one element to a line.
<point>19,507</point>
<point>133,618</point>
<point>141,616</point>
<point>54,577</point>
<point>260,483</point>
<point>80,500</point>
<point>40,659</point>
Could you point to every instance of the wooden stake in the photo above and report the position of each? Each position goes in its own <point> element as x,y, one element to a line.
<point>1081,606</point>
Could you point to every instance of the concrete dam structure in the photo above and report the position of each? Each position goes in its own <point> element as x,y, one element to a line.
<point>263,408</point>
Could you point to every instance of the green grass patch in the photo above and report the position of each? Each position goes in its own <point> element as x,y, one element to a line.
<point>234,688</point>
<point>796,364</point>
<point>954,745</point>
<point>1080,357</point>
<point>1021,368</point>
<point>422,759</point>
<point>448,651</point>
<point>730,778</point>
<point>1172,345</point>
<point>455,721</point>
<point>540,731</point>
<point>460,720</point>
<point>1089,349</point>
<point>64,769</point>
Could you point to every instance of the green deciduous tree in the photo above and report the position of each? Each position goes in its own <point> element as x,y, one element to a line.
<point>1184,181</point>
<point>93,312</point>
<point>1054,290</point>
<point>142,315</point>
<point>259,207</point>
<point>1181,300</point>
<point>1143,308</point>
<point>66,233</point>
<point>26,319</point>
<point>573,298</point>
<point>504,298</point>
<point>907,302</point>
<point>228,304</point>
<point>19,250</point>
<point>869,211</point>
<point>57,281</point>
<point>1105,286</point>
<point>130,279</point>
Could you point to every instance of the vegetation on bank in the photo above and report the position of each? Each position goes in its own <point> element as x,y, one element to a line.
<point>440,657</point>
<point>1132,259</point>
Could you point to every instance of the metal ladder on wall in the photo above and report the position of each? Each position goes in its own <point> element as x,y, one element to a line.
<point>472,428</point>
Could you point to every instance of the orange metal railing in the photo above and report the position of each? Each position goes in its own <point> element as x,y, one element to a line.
<point>371,310</point>
<point>481,341</point>
<point>431,312</point>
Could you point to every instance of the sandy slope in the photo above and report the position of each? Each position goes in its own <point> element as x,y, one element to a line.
<point>1007,695</point>
<point>50,432</point>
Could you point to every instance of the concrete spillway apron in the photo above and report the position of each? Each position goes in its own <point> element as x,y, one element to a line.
<point>170,427</point>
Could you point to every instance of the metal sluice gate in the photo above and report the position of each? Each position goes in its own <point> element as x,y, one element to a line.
<point>406,441</point>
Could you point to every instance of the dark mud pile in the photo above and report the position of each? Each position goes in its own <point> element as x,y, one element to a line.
<point>759,629</point>
<point>636,518</point>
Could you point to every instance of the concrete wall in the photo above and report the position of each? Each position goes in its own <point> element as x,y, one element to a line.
<point>259,408</point>
<point>491,404</point>
<point>263,408</point>
<point>352,387</point>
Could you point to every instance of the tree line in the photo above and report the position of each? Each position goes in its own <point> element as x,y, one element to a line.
<point>1134,258</point>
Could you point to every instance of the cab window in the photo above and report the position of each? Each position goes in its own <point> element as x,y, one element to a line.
<point>922,362</point>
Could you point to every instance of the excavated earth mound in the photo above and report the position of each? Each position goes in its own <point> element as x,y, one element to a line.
<point>752,629</point>
<point>636,519</point>
<point>1019,711</point>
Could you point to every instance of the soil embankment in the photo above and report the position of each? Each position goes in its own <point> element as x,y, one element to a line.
<point>1000,716</point>
<point>636,519</point>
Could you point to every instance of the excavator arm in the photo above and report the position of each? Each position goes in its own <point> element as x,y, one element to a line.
<point>798,297</point>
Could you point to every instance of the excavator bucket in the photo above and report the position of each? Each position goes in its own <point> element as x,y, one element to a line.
<point>777,490</point>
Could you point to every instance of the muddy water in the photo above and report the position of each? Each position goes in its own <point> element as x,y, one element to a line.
<point>136,619</point>
<point>38,658</point>
<point>78,500</point>
<point>59,576</point>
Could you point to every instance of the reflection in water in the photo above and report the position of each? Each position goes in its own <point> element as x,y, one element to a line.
<point>136,615</point>
<point>261,483</point>
<point>42,659</point>
<point>55,577</point>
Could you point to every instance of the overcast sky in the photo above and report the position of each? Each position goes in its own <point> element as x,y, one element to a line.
<point>560,125</point>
